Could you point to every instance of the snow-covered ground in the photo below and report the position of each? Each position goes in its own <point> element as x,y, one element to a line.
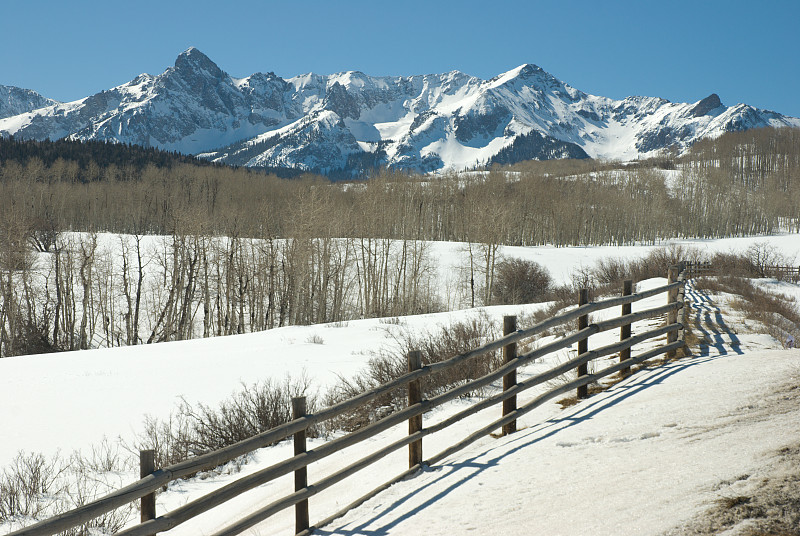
<point>640,458</point>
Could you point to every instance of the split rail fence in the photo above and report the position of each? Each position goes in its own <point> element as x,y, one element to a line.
<point>154,478</point>
<point>706,268</point>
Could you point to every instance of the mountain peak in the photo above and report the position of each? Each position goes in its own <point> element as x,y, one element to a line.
<point>353,121</point>
<point>527,69</point>
<point>706,105</point>
<point>193,60</point>
<point>16,100</point>
<point>524,72</point>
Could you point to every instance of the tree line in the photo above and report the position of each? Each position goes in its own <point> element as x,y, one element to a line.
<point>101,290</point>
<point>237,250</point>
<point>87,154</point>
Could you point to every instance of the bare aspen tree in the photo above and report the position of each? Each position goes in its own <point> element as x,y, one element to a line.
<point>87,247</point>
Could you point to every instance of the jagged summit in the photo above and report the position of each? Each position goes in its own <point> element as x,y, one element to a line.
<point>350,121</point>
<point>523,72</point>
<point>192,60</point>
<point>711,102</point>
<point>16,101</point>
<point>526,70</point>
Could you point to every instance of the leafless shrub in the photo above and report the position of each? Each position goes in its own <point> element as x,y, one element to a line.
<point>196,429</point>
<point>762,255</point>
<point>254,409</point>
<point>170,439</point>
<point>756,261</point>
<point>315,338</point>
<point>611,272</point>
<point>520,281</point>
<point>26,484</point>
<point>33,488</point>
<point>86,487</point>
<point>105,457</point>
<point>437,345</point>
<point>733,264</point>
<point>379,371</point>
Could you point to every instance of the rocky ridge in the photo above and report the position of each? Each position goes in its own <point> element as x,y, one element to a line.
<point>350,122</point>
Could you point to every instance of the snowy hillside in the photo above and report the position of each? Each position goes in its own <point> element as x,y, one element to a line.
<point>351,121</point>
<point>641,458</point>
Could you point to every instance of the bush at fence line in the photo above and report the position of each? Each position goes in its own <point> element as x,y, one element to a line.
<point>608,274</point>
<point>387,364</point>
<point>33,488</point>
<point>195,429</point>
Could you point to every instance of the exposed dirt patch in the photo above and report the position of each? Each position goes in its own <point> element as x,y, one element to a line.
<point>764,504</point>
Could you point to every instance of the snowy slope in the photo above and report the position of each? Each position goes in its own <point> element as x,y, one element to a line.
<point>353,121</point>
<point>640,458</point>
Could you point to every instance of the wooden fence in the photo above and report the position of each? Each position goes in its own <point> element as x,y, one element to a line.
<point>152,479</point>
<point>706,268</point>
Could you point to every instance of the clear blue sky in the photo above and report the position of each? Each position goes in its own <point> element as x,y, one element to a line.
<point>679,50</point>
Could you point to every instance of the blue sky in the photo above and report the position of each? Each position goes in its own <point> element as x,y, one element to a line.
<point>678,50</point>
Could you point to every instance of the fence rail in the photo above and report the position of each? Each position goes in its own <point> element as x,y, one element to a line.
<point>707,268</point>
<point>145,488</point>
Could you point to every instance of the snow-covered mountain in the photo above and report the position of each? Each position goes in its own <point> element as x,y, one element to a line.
<point>15,101</point>
<point>351,121</point>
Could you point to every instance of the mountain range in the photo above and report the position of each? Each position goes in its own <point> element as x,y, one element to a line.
<point>348,123</point>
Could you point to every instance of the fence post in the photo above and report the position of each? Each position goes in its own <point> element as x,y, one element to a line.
<point>583,346</point>
<point>625,331</point>
<point>147,466</point>
<point>510,379</point>
<point>414,397</point>
<point>672,316</point>
<point>684,314</point>
<point>300,475</point>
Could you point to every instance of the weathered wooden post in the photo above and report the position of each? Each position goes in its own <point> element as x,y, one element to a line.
<point>681,298</point>
<point>301,521</point>
<point>147,466</point>
<point>625,331</point>
<point>672,316</point>
<point>414,397</point>
<point>583,346</point>
<point>510,379</point>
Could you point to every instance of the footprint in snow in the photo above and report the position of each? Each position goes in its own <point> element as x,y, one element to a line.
<point>648,435</point>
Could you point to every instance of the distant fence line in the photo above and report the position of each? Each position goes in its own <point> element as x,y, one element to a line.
<point>708,268</point>
<point>153,478</point>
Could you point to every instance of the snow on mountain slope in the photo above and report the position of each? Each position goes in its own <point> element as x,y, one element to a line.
<point>351,121</point>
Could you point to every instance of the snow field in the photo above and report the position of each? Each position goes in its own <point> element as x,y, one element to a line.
<point>640,457</point>
<point>637,459</point>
